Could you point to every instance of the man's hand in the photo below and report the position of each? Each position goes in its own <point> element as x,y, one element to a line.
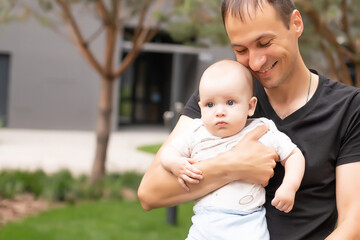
<point>257,161</point>
<point>249,161</point>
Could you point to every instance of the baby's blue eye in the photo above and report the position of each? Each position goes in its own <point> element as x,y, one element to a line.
<point>230,102</point>
<point>210,104</point>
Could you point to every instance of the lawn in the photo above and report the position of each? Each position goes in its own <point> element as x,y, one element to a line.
<point>153,148</point>
<point>102,220</point>
<point>91,220</point>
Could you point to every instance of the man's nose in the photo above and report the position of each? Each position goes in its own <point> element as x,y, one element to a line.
<point>256,61</point>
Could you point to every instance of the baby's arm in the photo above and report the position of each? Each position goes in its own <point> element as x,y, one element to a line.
<point>294,171</point>
<point>181,167</point>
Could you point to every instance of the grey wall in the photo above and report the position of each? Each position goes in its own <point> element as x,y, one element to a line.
<point>51,86</point>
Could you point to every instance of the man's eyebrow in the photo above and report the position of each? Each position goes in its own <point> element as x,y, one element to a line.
<point>264,35</point>
<point>236,45</point>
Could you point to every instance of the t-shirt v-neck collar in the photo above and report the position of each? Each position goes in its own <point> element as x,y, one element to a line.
<point>270,112</point>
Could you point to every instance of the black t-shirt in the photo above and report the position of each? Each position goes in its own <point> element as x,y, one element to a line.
<point>327,130</point>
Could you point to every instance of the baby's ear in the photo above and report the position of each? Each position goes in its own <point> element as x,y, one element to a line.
<point>252,106</point>
<point>199,103</point>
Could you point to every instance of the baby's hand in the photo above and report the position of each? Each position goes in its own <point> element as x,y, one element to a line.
<point>186,172</point>
<point>284,199</point>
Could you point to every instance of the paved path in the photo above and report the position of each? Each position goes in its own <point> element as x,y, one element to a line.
<point>74,150</point>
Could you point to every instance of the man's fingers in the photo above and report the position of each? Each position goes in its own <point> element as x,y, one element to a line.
<point>264,184</point>
<point>257,133</point>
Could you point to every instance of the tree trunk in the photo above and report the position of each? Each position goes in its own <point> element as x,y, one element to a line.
<point>103,129</point>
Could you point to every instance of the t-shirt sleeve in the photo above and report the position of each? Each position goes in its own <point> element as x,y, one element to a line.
<point>350,143</point>
<point>192,108</point>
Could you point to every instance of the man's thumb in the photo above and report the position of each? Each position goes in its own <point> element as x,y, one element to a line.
<point>257,133</point>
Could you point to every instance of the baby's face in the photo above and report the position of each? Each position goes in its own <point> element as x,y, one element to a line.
<point>225,105</point>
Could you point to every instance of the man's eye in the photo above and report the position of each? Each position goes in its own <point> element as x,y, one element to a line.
<point>230,102</point>
<point>240,51</point>
<point>210,104</point>
<point>265,44</point>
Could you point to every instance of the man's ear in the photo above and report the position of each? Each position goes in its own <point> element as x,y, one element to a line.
<point>296,22</point>
<point>252,106</point>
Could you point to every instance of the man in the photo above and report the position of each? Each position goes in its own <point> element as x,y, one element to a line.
<point>322,117</point>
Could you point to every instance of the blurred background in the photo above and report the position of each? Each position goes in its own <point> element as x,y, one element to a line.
<point>89,89</point>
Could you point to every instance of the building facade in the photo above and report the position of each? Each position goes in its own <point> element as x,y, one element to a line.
<point>46,84</point>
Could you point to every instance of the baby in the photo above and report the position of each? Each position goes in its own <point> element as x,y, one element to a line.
<point>236,209</point>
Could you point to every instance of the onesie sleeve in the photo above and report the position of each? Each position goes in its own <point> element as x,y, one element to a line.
<point>184,143</point>
<point>279,141</point>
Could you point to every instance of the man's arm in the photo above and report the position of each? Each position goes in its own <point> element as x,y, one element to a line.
<point>348,202</point>
<point>250,161</point>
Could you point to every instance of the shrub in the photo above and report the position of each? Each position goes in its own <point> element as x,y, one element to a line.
<point>16,182</point>
<point>10,185</point>
<point>58,186</point>
<point>131,180</point>
<point>62,186</point>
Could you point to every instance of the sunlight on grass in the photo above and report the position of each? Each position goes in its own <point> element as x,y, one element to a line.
<point>104,220</point>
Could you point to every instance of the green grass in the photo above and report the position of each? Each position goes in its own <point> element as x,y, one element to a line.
<point>95,220</point>
<point>150,148</point>
<point>102,220</point>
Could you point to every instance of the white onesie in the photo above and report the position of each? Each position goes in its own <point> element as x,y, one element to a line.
<point>237,197</point>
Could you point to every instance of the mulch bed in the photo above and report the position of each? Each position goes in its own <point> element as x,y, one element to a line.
<point>24,205</point>
<point>21,206</point>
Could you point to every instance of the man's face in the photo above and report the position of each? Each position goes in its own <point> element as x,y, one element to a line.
<point>263,44</point>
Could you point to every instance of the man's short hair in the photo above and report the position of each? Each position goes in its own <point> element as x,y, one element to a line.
<point>238,8</point>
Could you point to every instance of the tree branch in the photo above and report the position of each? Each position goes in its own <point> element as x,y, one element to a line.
<point>153,32</point>
<point>78,38</point>
<point>345,25</point>
<point>143,35</point>
<point>95,35</point>
<point>330,58</point>
<point>8,10</point>
<point>324,31</point>
<point>101,9</point>
<point>115,8</point>
<point>48,23</point>
<point>141,20</point>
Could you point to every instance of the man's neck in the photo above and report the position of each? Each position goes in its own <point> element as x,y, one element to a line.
<point>293,94</point>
